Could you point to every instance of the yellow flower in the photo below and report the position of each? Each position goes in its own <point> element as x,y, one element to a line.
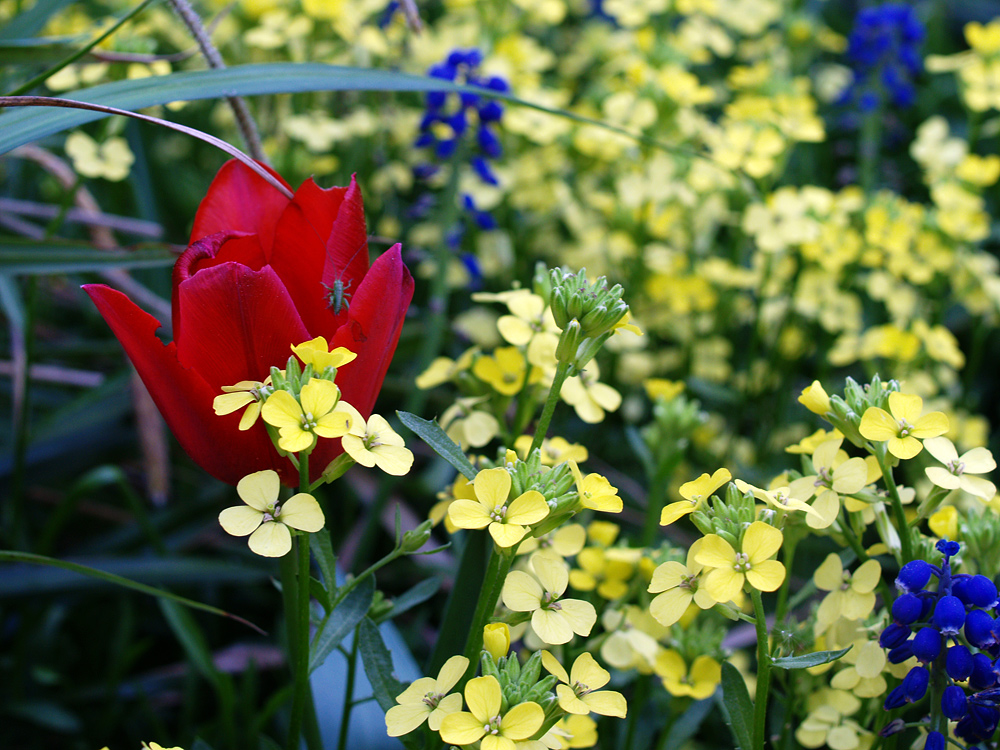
<point>265,520</point>
<point>111,160</point>
<point>812,442</point>
<point>606,570</point>
<point>483,721</point>
<point>375,443</point>
<point>698,683</point>
<point>530,324</point>
<point>680,586</point>
<point>596,492</point>
<point>506,371</point>
<point>317,413</point>
<point>851,596</point>
<point>580,691</point>
<point>467,425</point>
<point>554,450</point>
<point>836,475</point>
<point>815,399</point>
<point>573,731</point>
<point>315,352</point>
<point>944,522</point>
<point>443,369</point>
<point>590,398</point>
<point>496,639</point>
<point>957,469</point>
<point>555,620</point>
<point>249,393</point>
<point>695,493</point>
<point>751,564</point>
<point>427,699</point>
<point>780,498</point>
<point>903,427</point>
<point>563,542</point>
<point>507,523</point>
<point>659,388</point>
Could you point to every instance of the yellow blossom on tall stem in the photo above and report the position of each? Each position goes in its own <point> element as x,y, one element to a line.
<point>265,521</point>
<point>815,399</point>
<point>507,523</point>
<point>427,699</point>
<point>676,586</point>
<point>553,618</point>
<point>695,493</point>
<point>580,690</point>
<point>902,426</point>
<point>851,596</point>
<point>752,564</point>
<point>373,442</point>
<point>955,473</point>
<point>699,682</point>
<point>484,721</point>
<point>316,413</point>
<point>596,492</point>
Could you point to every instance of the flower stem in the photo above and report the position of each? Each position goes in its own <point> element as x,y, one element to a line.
<point>902,527</point>
<point>295,590</point>
<point>352,665</point>
<point>763,672</point>
<point>562,371</point>
<point>496,574</point>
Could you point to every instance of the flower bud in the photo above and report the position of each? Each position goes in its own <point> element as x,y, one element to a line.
<point>949,615</point>
<point>982,676</point>
<point>906,609</point>
<point>958,662</point>
<point>953,702</point>
<point>496,639</point>
<point>894,636</point>
<point>414,539</point>
<point>569,342</point>
<point>913,576</point>
<point>815,398</point>
<point>979,629</point>
<point>927,644</point>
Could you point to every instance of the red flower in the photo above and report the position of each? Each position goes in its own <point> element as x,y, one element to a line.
<point>255,280</point>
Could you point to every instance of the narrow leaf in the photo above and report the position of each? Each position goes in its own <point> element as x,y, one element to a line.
<point>27,557</point>
<point>378,664</point>
<point>318,592</point>
<point>343,620</point>
<point>809,660</point>
<point>411,598</point>
<point>326,559</point>
<point>737,706</point>
<point>190,637</point>
<point>53,257</point>
<point>432,434</point>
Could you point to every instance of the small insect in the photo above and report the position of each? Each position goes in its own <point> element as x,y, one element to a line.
<point>337,296</point>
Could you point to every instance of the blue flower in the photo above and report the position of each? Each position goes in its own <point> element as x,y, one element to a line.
<point>883,49</point>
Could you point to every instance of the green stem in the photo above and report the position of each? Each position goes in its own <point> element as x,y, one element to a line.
<point>897,504</point>
<point>763,672</point>
<point>562,372</point>
<point>295,587</point>
<point>496,574</point>
<point>655,497</point>
<point>868,149</point>
<point>638,699</point>
<point>352,663</point>
<point>791,542</point>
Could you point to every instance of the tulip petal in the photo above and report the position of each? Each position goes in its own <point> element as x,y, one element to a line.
<point>240,199</point>
<point>184,398</point>
<point>238,323</point>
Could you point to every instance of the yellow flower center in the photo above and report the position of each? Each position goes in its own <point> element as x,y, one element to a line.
<point>308,421</point>
<point>742,562</point>
<point>494,725</point>
<point>904,428</point>
<point>822,477</point>
<point>498,514</point>
<point>956,467</point>
<point>581,689</point>
<point>432,699</point>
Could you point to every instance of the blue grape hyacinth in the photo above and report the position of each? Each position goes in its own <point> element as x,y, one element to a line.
<point>953,633</point>
<point>883,50</point>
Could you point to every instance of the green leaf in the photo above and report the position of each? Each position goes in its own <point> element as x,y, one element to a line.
<point>31,21</point>
<point>411,598</point>
<point>737,706</point>
<point>809,660</point>
<point>44,50</point>
<point>432,434</point>
<point>190,637</point>
<point>57,257</point>
<point>9,583</point>
<point>378,664</point>
<point>318,592</point>
<point>344,618</point>
<point>326,559</point>
<point>46,714</point>
<point>687,724</point>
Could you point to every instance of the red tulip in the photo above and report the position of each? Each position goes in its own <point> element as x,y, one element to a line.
<point>256,279</point>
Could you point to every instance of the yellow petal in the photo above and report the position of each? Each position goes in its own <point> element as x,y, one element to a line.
<point>551,627</point>
<point>393,459</point>
<point>462,728</point>
<point>507,534</point>
<point>302,512</point>
<point>554,667</point>
<point>482,696</point>
<point>761,541</point>
<point>492,486</point>
<point>227,403</point>
<point>451,672</point>
<point>905,406</point>
<point>552,573</point>
<point>767,575</point>
<point>878,425</point>
<point>580,615</point>
<point>272,539</point>
<point>715,552</point>
<point>521,592</point>
<point>587,671</point>
<point>355,448</point>
<point>522,721</point>
<point>528,508</point>
<point>569,702</point>
<point>667,576</point>
<point>867,577</point>
<point>930,425</point>
<point>723,584</point>
<point>282,410</point>
<point>904,448</point>
<point>241,520</point>
<point>830,575</point>
<point>400,720</point>
<point>260,489</point>
<point>675,511</point>
<point>606,703</point>
<point>466,514</point>
<point>670,606</point>
<point>319,397</point>
<point>335,423</point>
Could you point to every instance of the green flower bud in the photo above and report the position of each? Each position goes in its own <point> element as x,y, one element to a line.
<point>512,668</point>
<point>557,304</point>
<point>489,666</point>
<point>729,537</point>
<point>541,282</point>
<point>541,693</point>
<point>337,467</point>
<point>414,539</point>
<point>532,668</point>
<point>569,342</point>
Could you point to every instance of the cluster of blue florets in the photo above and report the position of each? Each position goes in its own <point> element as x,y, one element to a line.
<point>883,49</point>
<point>460,115</point>
<point>954,628</point>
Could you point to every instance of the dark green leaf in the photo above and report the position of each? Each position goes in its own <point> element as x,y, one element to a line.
<point>416,595</point>
<point>44,50</point>
<point>809,660</point>
<point>22,582</point>
<point>52,257</point>
<point>737,706</point>
<point>31,21</point>
<point>343,620</point>
<point>190,637</point>
<point>326,559</point>
<point>378,664</point>
<point>469,580</point>
<point>432,434</point>
<point>318,592</point>
<point>687,724</point>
